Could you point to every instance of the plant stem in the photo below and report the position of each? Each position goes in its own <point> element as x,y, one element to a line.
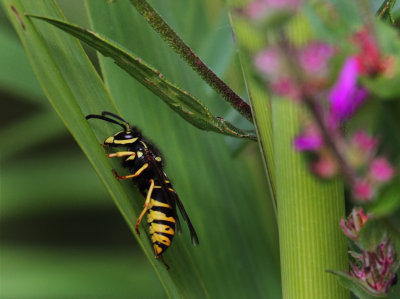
<point>309,212</point>
<point>181,48</point>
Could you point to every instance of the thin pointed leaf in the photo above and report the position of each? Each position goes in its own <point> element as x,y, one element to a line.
<point>359,288</point>
<point>186,105</point>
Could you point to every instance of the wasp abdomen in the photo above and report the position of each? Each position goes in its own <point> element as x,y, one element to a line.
<point>160,218</point>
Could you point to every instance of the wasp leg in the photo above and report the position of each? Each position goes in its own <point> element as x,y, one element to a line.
<point>122,154</point>
<point>162,259</point>
<point>146,205</point>
<point>130,176</point>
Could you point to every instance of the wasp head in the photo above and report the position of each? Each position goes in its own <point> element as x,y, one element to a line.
<point>127,136</point>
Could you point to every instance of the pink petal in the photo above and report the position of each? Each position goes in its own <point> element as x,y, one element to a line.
<point>315,57</point>
<point>308,141</point>
<point>346,96</point>
<point>324,168</point>
<point>363,190</point>
<point>381,170</point>
<point>364,141</point>
<point>268,62</point>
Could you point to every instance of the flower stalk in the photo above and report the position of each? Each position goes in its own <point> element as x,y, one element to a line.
<point>309,211</point>
<point>181,48</point>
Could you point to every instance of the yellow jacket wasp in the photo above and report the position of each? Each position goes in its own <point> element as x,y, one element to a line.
<point>145,166</point>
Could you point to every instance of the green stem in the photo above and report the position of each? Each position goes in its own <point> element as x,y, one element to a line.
<point>181,48</point>
<point>309,212</point>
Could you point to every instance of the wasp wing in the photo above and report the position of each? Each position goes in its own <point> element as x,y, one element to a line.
<point>193,234</point>
<point>161,177</point>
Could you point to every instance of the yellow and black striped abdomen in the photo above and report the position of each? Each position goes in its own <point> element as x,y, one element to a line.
<point>161,220</point>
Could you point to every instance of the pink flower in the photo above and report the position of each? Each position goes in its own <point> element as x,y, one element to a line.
<point>375,269</point>
<point>370,60</point>
<point>309,140</point>
<point>352,225</point>
<point>381,170</point>
<point>364,141</point>
<point>362,190</point>
<point>286,87</point>
<point>324,167</point>
<point>268,62</point>
<point>314,58</point>
<point>263,8</point>
<point>346,96</point>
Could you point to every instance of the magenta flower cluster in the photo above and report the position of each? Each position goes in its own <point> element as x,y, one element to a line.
<point>336,104</point>
<point>376,269</point>
<point>313,59</point>
<point>354,223</point>
<point>263,8</point>
<point>304,76</point>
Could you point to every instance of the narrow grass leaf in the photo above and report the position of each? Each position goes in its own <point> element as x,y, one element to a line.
<point>187,106</point>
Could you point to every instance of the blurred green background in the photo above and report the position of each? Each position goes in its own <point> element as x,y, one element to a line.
<point>61,236</point>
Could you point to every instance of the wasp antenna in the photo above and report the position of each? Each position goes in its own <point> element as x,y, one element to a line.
<point>113,115</point>
<point>106,119</point>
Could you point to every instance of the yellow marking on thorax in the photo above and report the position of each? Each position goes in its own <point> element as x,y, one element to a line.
<point>157,215</point>
<point>160,238</point>
<point>139,154</point>
<point>132,157</point>
<point>144,144</point>
<point>109,140</point>
<point>161,228</point>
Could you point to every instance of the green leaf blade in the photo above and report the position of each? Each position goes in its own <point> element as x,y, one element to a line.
<point>187,106</point>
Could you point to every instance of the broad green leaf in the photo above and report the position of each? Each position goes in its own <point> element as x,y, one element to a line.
<point>187,106</point>
<point>220,192</point>
<point>16,77</point>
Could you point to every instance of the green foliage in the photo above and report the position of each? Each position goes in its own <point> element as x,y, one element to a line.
<point>353,284</point>
<point>190,108</point>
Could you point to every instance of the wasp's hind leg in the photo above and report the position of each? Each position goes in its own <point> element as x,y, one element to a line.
<point>162,259</point>
<point>146,205</point>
